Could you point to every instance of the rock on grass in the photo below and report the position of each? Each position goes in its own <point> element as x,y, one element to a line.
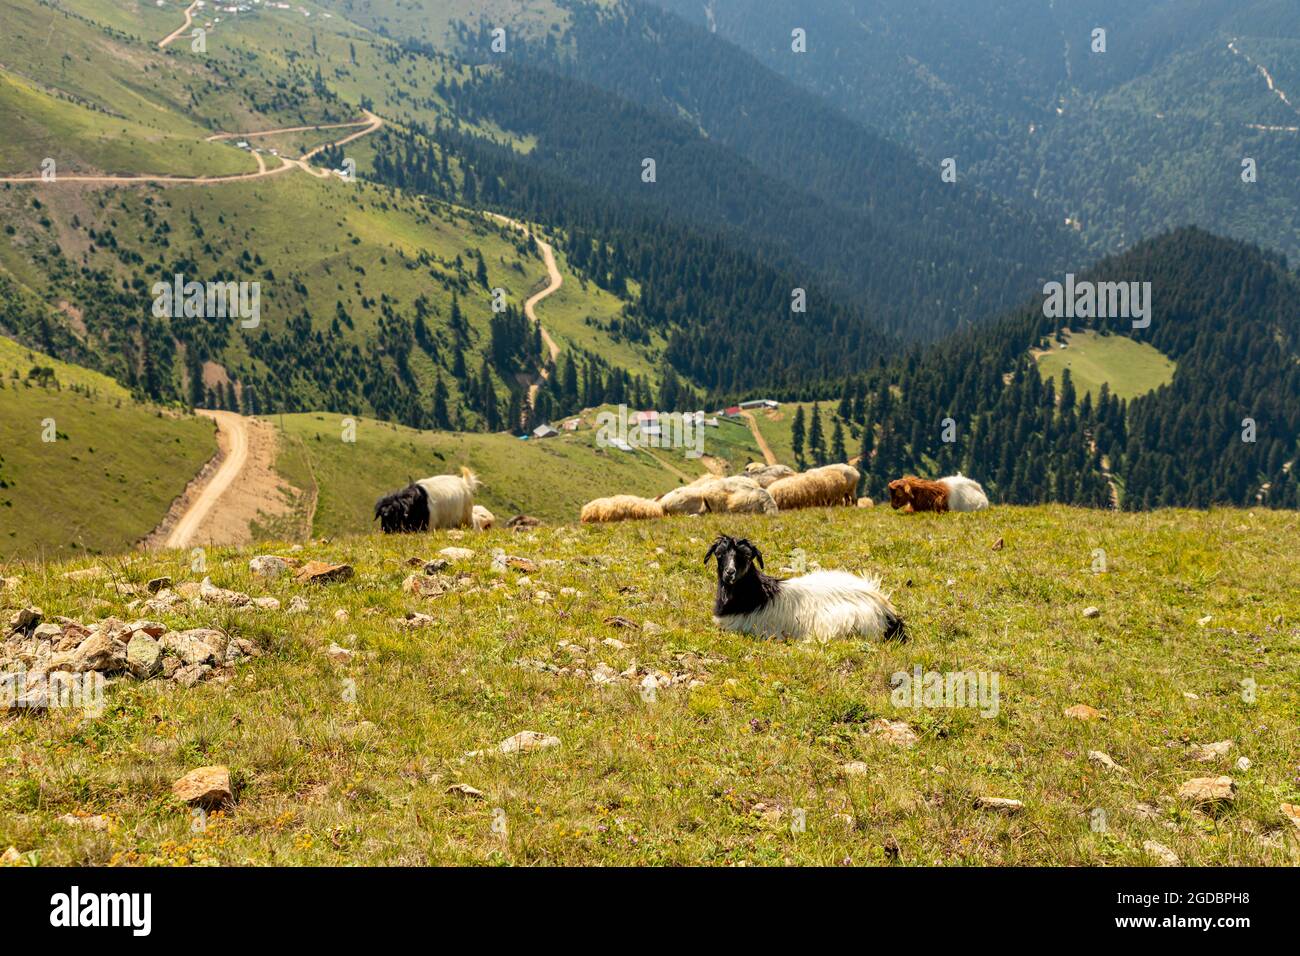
<point>527,741</point>
<point>1103,759</point>
<point>999,804</point>
<point>207,787</point>
<point>1208,792</point>
<point>320,572</point>
<point>1166,856</point>
<point>143,655</point>
<point>1083,712</point>
<point>895,732</point>
<point>1205,753</point>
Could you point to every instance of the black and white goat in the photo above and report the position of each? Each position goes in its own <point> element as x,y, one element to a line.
<point>824,605</point>
<point>443,501</point>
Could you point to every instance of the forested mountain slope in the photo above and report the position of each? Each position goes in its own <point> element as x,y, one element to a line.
<point>1149,134</point>
<point>1226,429</point>
<point>740,145</point>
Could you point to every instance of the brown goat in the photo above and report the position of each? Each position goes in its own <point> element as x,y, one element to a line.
<point>916,494</point>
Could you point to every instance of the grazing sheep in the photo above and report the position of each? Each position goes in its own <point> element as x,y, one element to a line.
<point>766,474</point>
<point>451,499</point>
<point>964,494</point>
<point>403,511</point>
<point>734,495</point>
<point>824,605</point>
<point>483,519</point>
<point>816,488</point>
<point>620,508</point>
<point>848,476</point>
<point>916,494</point>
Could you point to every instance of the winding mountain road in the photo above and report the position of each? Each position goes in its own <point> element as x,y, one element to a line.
<point>1272,88</point>
<point>555,280</point>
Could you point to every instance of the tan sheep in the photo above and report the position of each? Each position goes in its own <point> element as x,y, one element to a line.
<point>620,508</point>
<point>686,500</point>
<point>848,476</point>
<point>816,488</point>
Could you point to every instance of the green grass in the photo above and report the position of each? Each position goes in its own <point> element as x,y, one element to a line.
<point>1130,368</point>
<point>83,141</point>
<point>20,359</point>
<point>109,477</point>
<point>325,776</point>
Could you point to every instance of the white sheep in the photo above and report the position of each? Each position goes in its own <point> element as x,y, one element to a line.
<point>824,605</point>
<point>964,494</point>
<point>451,499</point>
<point>482,518</point>
<point>734,495</point>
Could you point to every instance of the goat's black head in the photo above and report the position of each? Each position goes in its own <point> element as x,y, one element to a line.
<point>736,558</point>
<point>403,511</point>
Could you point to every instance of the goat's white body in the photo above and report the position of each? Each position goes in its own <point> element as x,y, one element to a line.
<point>451,500</point>
<point>824,605</point>
<point>964,494</point>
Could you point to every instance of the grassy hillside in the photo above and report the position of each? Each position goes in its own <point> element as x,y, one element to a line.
<point>1131,368</point>
<point>89,80</point>
<point>85,141</point>
<point>716,769</point>
<point>348,274</point>
<point>109,477</point>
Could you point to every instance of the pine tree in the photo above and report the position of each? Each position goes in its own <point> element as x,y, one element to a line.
<point>838,452</point>
<point>440,417</point>
<point>816,440</point>
<point>796,437</point>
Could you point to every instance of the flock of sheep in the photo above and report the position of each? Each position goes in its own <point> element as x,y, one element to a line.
<point>762,489</point>
<point>447,501</point>
<point>767,489</point>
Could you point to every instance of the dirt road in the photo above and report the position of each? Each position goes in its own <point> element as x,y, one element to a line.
<point>189,21</point>
<point>235,448</point>
<point>763,446</point>
<point>238,495</point>
<point>1272,87</point>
